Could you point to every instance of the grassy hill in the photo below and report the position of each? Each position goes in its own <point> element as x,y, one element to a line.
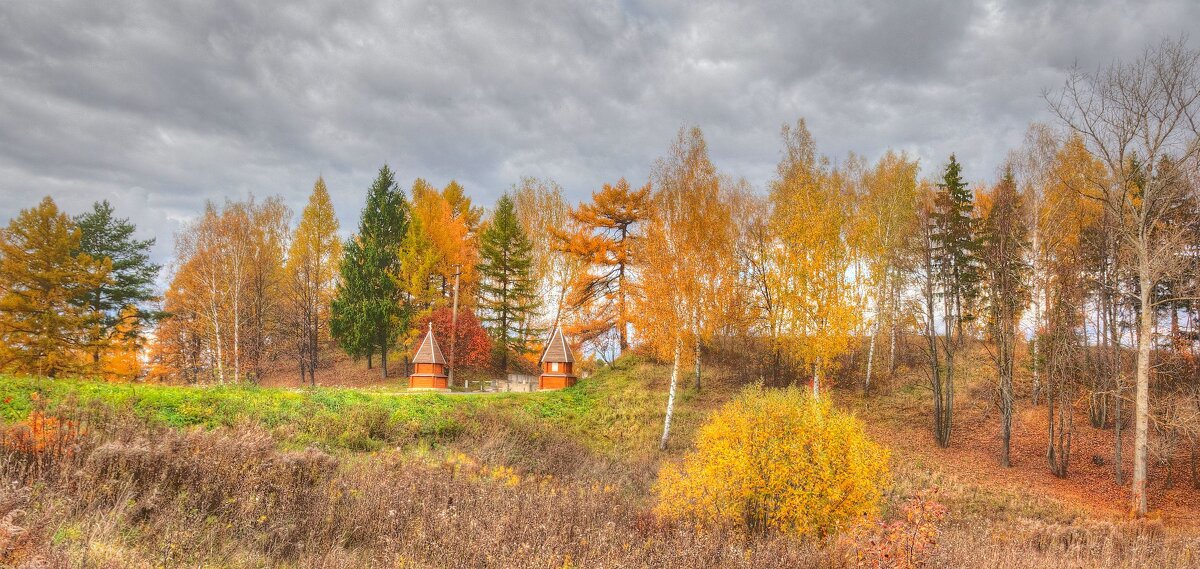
<point>238,476</point>
<point>613,411</point>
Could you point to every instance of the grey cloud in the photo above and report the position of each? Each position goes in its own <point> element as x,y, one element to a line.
<point>159,106</point>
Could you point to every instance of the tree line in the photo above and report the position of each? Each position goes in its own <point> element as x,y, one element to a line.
<point>1077,269</point>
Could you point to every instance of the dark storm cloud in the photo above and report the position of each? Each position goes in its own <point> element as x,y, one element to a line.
<point>160,106</point>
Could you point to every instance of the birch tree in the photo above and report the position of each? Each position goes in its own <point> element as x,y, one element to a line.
<point>813,221</point>
<point>684,258</point>
<point>885,223</point>
<point>1140,119</point>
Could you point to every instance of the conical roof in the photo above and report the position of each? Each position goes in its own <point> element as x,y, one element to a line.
<point>557,349</point>
<point>429,352</point>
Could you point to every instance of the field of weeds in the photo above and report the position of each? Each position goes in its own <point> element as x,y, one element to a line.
<point>93,475</point>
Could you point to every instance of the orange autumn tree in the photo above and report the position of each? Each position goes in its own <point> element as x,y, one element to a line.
<point>450,222</point>
<point>227,289</point>
<point>122,360</point>
<point>439,253</point>
<point>603,241</point>
<point>1076,251</point>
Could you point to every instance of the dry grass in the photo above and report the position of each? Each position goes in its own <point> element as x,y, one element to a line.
<point>506,491</point>
<point>220,498</point>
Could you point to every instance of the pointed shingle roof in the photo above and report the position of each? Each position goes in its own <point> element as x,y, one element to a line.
<point>557,349</point>
<point>429,352</point>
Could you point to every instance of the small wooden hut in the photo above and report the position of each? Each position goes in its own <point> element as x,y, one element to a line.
<point>429,366</point>
<point>557,363</point>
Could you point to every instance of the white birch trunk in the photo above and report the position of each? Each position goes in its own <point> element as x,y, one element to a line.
<point>817,379</point>
<point>662,445</point>
<point>1142,398</point>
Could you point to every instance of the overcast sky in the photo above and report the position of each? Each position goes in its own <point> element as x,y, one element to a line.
<point>158,106</point>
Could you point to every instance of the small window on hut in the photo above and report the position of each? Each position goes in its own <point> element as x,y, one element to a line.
<point>554,366</point>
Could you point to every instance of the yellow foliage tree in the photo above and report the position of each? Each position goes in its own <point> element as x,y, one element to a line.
<point>43,330</point>
<point>686,258</point>
<point>449,222</point>
<point>311,277</point>
<point>885,222</point>
<point>777,460</point>
<point>813,220</point>
<point>543,211</point>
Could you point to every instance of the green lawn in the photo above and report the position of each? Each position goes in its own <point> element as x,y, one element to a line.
<point>346,418</point>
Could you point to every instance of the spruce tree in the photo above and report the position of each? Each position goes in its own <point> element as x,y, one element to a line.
<point>123,302</point>
<point>368,314</point>
<point>955,261</point>
<point>507,290</point>
<point>957,243</point>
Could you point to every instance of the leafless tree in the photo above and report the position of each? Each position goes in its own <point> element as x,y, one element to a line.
<point>1141,119</point>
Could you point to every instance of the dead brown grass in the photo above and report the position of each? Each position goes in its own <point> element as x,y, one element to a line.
<point>506,492</point>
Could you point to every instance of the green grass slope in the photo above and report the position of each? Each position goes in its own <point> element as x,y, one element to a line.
<point>611,412</point>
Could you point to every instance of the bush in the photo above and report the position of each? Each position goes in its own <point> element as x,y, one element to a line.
<point>777,460</point>
<point>909,541</point>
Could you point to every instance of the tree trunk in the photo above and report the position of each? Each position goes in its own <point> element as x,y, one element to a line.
<point>622,325</point>
<point>870,358</point>
<point>697,350</point>
<point>935,365</point>
<point>893,331</point>
<point>1118,460</point>
<point>816,380</point>
<point>1035,270</point>
<point>217,333</point>
<point>1142,397</point>
<point>237,326</point>
<point>1006,394</point>
<point>880,302</point>
<point>383,359</point>
<point>892,348</point>
<point>662,445</point>
<point>453,331</point>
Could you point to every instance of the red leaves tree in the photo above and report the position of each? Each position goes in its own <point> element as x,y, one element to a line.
<point>472,347</point>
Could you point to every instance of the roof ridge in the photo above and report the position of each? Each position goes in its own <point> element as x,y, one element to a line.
<point>557,349</point>
<point>429,352</point>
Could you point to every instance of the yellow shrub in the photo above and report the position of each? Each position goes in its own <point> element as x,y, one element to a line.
<point>777,459</point>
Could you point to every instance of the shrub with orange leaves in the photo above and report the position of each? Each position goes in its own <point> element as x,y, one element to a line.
<point>908,542</point>
<point>40,434</point>
<point>778,460</point>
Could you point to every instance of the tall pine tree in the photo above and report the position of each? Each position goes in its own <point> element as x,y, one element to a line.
<point>368,314</point>
<point>507,288</point>
<point>955,262</point>
<point>123,302</point>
